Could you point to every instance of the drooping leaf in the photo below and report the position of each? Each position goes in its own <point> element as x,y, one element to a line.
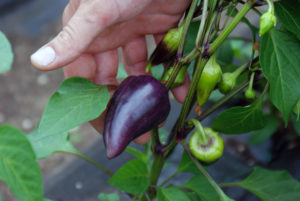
<point>137,153</point>
<point>171,194</point>
<point>109,197</point>
<point>280,62</point>
<point>77,100</point>
<point>187,165</point>
<point>239,120</point>
<point>193,196</point>
<point>288,14</point>
<point>132,177</point>
<point>272,185</point>
<point>18,167</point>
<point>260,136</point>
<point>6,54</point>
<point>204,189</point>
<point>44,146</point>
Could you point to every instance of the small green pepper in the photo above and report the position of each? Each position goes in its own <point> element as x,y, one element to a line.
<point>267,22</point>
<point>167,48</point>
<point>250,93</point>
<point>179,78</point>
<point>209,78</point>
<point>205,144</point>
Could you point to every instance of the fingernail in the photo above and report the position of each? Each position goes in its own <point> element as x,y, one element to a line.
<point>43,56</point>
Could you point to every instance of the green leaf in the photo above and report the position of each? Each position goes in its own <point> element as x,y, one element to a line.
<point>239,120</point>
<point>187,165</point>
<point>18,168</point>
<point>191,37</point>
<point>288,14</point>
<point>270,127</point>
<point>109,197</point>
<point>44,146</point>
<point>171,194</point>
<point>225,53</point>
<point>77,100</point>
<point>272,185</point>
<point>280,61</point>
<point>193,196</point>
<point>132,177</point>
<point>204,189</point>
<point>6,54</point>
<point>137,153</point>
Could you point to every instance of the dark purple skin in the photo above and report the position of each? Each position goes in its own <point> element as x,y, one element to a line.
<point>161,54</point>
<point>139,104</point>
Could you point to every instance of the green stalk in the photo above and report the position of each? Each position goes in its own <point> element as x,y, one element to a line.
<point>199,128</point>
<point>84,157</point>
<point>219,40</point>
<point>186,25</point>
<point>201,31</point>
<point>204,172</point>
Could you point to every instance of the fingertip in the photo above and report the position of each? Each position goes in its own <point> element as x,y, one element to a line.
<point>143,139</point>
<point>180,92</point>
<point>43,57</point>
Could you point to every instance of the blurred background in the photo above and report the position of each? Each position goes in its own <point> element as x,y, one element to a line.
<point>24,93</point>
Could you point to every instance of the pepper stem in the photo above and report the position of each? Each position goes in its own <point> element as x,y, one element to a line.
<point>203,137</point>
<point>271,6</point>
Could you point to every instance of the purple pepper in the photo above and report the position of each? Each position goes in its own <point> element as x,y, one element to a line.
<point>139,104</point>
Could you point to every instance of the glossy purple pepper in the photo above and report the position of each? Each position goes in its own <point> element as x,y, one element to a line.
<point>139,104</point>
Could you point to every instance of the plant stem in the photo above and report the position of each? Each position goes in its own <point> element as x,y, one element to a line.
<point>222,185</point>
<point>223,100</point>
<point>201,31</point>
<point>186,25</point>
<point>169,178</point>
<point>203,138</point>
<point>98,165</point>
<point>219,40</point>
<point>204,172</point>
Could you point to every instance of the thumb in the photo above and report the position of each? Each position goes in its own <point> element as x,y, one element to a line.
<point>75,37</point>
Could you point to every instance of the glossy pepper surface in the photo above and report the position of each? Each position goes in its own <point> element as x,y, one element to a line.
<point>209,78</point>
<point>139,104</point>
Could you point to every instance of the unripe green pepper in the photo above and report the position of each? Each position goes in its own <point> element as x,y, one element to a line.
<point>205,144</point>
<point>228,80</point>
<point>227,83</point>
<point>250,93</point>
<point>267,22</point>
<point>179,78</point>
<point>209,78</point>
<point>167,48</point>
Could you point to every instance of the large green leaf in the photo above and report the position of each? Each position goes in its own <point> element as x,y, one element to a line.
<point>204,189</point>
<point>171,194</point>
<point>109,197</point>
<point>272,185</point>
<point>77,100</point>
<point>260,136</point>
<point>44,146</point>
<point>239,120</point>
<point>18,167</point>
<point>288,13</point>
<point>187,165</point>
<point>280,61</point>
<point>6,54</point>
<point>132,177</point>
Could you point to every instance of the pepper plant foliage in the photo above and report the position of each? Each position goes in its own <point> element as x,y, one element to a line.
<point>274,61</point>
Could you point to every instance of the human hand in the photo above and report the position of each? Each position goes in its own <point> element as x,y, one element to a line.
<point>94,29</point>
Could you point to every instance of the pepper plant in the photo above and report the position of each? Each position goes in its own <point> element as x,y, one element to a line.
<point>262,71</point>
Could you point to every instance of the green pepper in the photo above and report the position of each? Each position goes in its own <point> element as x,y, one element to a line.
<point>209,78</point>
<point>228,80</point>
<point>179,78</point>
<point>205,144</point>
<point>167,48</point>
<point>250,93</point>
<point>267,22</point>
